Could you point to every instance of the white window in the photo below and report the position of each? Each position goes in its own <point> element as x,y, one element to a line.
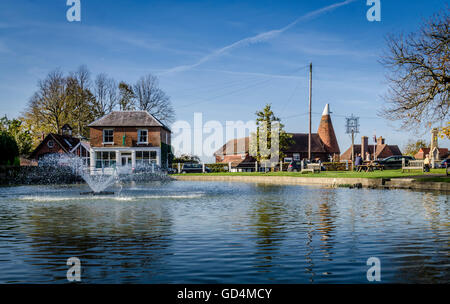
<point>145,157</point>
<point>50,143</point>
<point>287,159</point>
<point>108,136</point>
<point>143,136</point>
<point>105,159</point>
<point>296,156</point>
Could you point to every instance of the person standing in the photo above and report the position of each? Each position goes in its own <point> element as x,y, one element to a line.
<point>358,161</point>
<point>426,163</point>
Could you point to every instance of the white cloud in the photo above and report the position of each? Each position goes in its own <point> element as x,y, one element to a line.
<point>258,38</point>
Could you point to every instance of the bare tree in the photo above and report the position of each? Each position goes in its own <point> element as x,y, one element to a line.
<point>105,91</point>
<point>150,97</point>
<point>48,107</point>
<point>419,74</point>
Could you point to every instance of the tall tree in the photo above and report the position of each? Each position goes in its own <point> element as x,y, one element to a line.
<point>419,75</point>
<point>81,100</point>
<point>150,97</point>
<point>105,91</point>
<point>48,110</point>
<point>265,122</point>
<point>126,97</point>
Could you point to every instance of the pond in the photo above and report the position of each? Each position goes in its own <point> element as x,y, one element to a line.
<point>218,232</point>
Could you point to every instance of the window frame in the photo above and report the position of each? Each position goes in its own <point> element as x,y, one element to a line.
<point>112,136</point>
<point>139,136</point>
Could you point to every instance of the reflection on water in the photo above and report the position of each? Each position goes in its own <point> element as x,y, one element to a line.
<point>208,232</point>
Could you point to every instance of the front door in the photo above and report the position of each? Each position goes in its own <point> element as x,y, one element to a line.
<point>126,159</point>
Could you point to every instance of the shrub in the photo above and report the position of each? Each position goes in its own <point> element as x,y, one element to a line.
<point>218,167</point>
<point>334,166</point>
<point>8,149</point>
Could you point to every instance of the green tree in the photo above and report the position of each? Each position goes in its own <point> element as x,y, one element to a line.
<point>265,122</point>
<point>81,102</point>
<point>412,147</point>
<point>126,97</point>
<point>8,149</point>
<point>21,135</point>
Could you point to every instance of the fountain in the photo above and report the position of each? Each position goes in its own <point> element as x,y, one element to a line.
<point>98,181</point>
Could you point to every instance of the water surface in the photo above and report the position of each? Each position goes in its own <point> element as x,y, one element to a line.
<point>217,232</point>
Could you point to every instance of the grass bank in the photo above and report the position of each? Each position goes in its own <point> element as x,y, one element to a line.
<point>420,176</point>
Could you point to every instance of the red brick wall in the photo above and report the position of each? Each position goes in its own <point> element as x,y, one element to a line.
<point>44,149</point>
<point>156,135</point>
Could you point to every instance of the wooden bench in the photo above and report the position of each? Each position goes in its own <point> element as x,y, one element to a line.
<point>369,167</point>
<point>412,165</point>
<point>312,168</point>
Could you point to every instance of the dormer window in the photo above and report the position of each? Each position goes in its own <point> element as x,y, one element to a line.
<point>108,136</point>
<point>50,144</point>
<point>143,136</point>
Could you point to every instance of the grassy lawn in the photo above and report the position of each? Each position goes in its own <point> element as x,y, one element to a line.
<point>340,174</point>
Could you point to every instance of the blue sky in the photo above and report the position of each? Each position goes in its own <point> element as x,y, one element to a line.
<point>177,41</point>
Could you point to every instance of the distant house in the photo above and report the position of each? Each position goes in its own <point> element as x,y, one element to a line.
<point>380,150</point>
<point>128,138</point>
<point>236,152</point>
<point>443,153</point>
<point>63,143</point>
<point>324,146</point>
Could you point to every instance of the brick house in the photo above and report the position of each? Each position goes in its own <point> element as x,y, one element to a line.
<point>380,150</point>
<point>422,153</point>
<point>63,143</point>
<point>128,138</point>
<point>324,145</point>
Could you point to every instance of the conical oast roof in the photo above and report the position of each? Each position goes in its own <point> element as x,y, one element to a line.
<point>326,132</point>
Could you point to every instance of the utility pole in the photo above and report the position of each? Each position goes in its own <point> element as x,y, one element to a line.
<point>310,102</point>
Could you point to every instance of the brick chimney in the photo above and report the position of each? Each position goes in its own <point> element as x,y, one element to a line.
<point>380,141</point>
<point>364,146</point>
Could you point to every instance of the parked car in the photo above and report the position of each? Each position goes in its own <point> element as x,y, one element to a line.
<point>194,168</point>
<point>394,162</point>
<point>445,163</point>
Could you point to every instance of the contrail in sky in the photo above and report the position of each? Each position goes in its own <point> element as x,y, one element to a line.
<point>258,38</point>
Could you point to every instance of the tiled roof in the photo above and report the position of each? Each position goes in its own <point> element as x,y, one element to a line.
<point>382,151</point>
<point>128,119</point>
<point>301,143</point>
<point>241,145</point>
<point>234,146</point>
